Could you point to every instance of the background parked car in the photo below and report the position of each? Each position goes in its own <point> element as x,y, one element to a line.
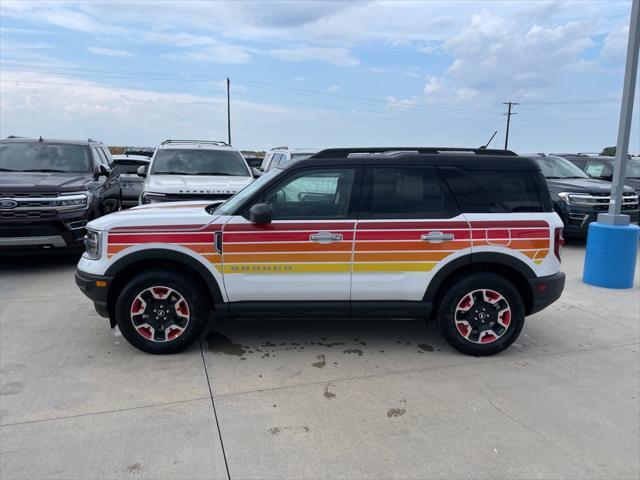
<point>282,157</point>
<point>253,160</point>
<point>577,198</point>
<point>50,189</point>
<point>602,167</point>
<point>126,166</point>
<point>142,151</point>
<point>194,170</point>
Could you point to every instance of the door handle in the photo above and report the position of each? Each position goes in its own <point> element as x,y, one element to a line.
<point>325,237</point>
<point>436,237</point>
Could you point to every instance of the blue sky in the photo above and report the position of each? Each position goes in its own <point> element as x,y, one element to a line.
<point>315,74</point>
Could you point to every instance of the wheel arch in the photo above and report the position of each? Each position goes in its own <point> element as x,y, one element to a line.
<point>513,269</point>
<point>123,269</point>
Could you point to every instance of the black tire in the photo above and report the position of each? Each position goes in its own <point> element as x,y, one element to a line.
<point>197,311</point>
<point>453,298</point>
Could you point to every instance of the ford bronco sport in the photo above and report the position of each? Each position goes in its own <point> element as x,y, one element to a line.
<point>466,237</point>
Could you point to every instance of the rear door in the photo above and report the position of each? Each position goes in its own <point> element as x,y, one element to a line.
<point>305,252</point>
<point>408,228</point>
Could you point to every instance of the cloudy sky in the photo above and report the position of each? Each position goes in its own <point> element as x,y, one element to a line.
<point>313,74</point>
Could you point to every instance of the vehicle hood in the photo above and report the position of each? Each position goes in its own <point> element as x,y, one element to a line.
<point>43,182</point>
<point>131,177</point>
<point>194,184</point>
<point>169,215</point>
<point>633,182</point>
<point>581,185</point>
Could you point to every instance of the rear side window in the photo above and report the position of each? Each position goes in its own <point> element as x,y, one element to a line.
<point>405,192</point>
<point>494,191</point>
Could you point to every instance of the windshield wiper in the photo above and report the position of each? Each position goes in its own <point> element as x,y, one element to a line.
<point>173,173</point>
<point>46,170</point>
<point>8,170</point>
<point>216,173</point>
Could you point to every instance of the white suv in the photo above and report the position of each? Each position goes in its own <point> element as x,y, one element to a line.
<point>194,170</point>
<point>282,157</point>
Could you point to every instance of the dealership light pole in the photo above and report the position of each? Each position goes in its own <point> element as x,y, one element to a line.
<point>612,243</point>
<point>228,111</point>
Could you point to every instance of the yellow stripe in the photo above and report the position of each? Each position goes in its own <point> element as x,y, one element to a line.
<point>394,267</point>
<point>284,268</point>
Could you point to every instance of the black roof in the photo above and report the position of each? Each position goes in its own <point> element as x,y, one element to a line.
<point>14,139</point>
<point>479,159</point>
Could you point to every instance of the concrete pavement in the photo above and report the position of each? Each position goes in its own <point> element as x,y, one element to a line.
<point>315,399</point>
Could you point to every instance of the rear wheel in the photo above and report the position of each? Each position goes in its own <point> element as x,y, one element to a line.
<point>161,312</point>
<point>481,314</point>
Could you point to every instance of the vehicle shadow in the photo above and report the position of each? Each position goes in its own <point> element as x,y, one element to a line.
<point>37,260</point>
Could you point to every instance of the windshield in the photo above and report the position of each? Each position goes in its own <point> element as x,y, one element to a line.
<point>633,168</point>
<point>44,157</point>
<point>228,207</point>
<point>199,162</point>
<point>128,166</point>
<point>295,157</point>
<point>559,168</point>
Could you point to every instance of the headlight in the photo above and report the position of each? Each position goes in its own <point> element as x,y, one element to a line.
<point>150,197</point>
<point>92,244</point>
<point>580,199</point>
<point>70,201</point>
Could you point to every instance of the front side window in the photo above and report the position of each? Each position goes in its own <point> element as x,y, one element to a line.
<point>559,168</point>
<point>597,169</point>
<point>44,157</point>
<point>405,192</point>
<point>313,194</point>
<point>199,162</point>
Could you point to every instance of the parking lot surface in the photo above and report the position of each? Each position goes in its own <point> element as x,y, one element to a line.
<point>315,399</point>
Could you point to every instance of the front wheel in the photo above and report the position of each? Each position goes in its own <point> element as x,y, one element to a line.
<point>161,312</point>
<point>481,314</point>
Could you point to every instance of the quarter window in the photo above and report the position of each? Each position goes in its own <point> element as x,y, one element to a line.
<point>405,192</point>
<point>313,194</point>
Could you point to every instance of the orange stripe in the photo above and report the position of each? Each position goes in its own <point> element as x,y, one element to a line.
<point>537,254</point>
<point>401,246</point>
<point>401,256</point>
<point>287,247</point>
<point>286,257</point>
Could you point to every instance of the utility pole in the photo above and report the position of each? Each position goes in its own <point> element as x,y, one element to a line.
<point>508,114</point>
<point>228,111</point>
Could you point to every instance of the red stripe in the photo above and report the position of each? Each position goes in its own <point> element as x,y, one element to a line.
<point>168,228</point>
<point>276,227</point>
<point>509,224</point>
<point>191,237</point>
<point>503,234</point>
<point>530,233</point>
<point>276,237</point>
<point>409,225</point>
<point>407,234</point>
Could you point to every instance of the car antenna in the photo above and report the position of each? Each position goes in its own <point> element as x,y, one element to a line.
<point>484,147</point>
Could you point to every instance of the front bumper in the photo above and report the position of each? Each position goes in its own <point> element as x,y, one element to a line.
<point>577,219</point>
<point>545,290</point>
<point>49,230</point>
<point>96,287</point>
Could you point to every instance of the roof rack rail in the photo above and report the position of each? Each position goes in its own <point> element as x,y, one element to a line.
<point>280,148</point>
<point>15,136</point>
<point>208,142</point>
<point>345,152</point>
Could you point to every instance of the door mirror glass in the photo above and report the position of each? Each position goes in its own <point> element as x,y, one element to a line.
<point>142,171</point>
<point>256,172</point>
<point>103,170</point>
<point>260,213</point>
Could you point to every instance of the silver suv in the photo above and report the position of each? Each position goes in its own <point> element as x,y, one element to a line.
<point>183,170</point>
<point>282,157</point>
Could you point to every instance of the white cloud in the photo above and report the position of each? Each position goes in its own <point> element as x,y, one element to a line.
<point>614,46</point>
<point>334,55</point>
<point>434,85</point>
<point>402,103</point>
<point>333,88</point>
<point>109,52</point>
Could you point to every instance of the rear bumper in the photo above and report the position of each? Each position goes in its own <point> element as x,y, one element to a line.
<point>545,290</point>
<point>96,287</point>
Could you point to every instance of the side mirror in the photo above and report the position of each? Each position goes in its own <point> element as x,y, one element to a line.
<point>256,172</point>
<point>260,213</point>
<point>142,171</point>
<point>103,171</point>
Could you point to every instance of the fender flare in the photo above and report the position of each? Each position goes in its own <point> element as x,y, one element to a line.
<point>173,255</point>
<point>476,258</point>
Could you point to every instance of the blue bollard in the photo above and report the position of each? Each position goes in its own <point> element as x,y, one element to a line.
<point>610,259</point>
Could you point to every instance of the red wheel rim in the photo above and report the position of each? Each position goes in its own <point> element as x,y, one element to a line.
<point>159,314</point>
<point>482,316</point>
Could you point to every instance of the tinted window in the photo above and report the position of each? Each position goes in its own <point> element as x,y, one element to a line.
<point>199,162</point>
<point>405,192</point>
<point>554,167</point>
<point>494,191</point>
<point>42,157</point>
<point>128,166</point>
<point>107,154</point>
<point>100,156</point>
<point>313,194</point>
<point>596,168</point>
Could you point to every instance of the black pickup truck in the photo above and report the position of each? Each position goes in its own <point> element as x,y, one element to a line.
<point>50,189</point>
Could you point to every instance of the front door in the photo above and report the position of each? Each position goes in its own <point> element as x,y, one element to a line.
<point>408,226</point>
<point>304,254</point>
